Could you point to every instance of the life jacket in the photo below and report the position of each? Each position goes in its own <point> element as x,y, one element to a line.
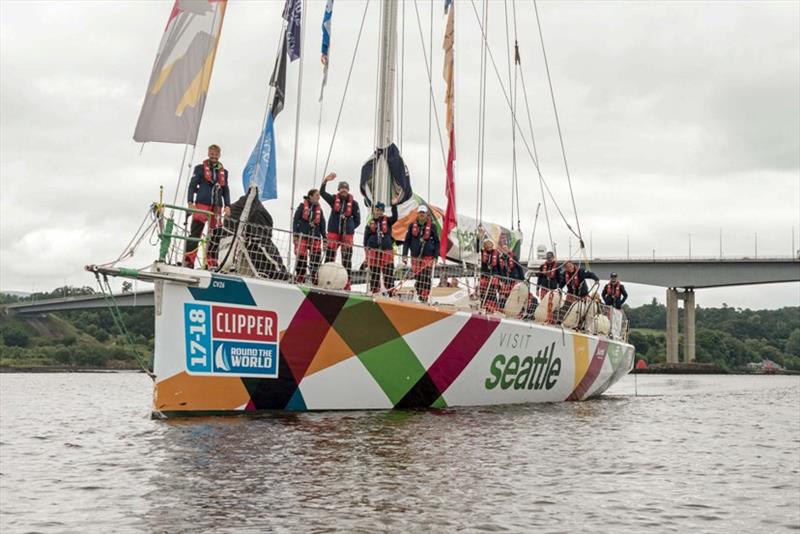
<point>373,226</point>
<point>337,205</point>
<point>614,290</point>
<point>489,260</point>
<point>549,269</point>
<point>426,233</point>
<point>573,280</point>
<point>307,207</point>
<point>208,175</point>
<point>506,264</point>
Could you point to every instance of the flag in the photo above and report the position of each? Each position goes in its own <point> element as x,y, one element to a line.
<point>326,44</point>
<point>261,168</point>
<point>449,221</point>
<point>293,15</point>
<point>176,94</point>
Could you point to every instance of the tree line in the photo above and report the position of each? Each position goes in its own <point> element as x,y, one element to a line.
<point>728,337</point>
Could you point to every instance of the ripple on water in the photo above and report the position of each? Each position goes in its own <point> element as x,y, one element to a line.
<point>99,460</point>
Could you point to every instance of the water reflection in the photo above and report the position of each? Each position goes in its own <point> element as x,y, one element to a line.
<point>689,453</point>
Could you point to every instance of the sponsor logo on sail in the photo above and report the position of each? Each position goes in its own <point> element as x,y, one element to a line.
<point>227,340</point>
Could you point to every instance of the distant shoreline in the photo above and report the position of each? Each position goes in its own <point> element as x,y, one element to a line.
<point>10,370</point>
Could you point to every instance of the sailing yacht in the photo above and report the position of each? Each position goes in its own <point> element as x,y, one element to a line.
<point>246,336</point>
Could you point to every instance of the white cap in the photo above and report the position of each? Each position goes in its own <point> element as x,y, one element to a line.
<point>422,209</point>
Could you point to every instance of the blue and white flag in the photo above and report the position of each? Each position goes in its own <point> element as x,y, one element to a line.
<point>261,166</point>
<point>293,14</point>
<point>326,44</point>
<point>326,28</point>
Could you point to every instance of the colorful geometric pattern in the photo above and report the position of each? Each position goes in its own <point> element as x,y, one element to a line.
<point>352,351</point>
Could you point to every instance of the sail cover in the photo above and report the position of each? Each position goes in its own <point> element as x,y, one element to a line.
<point>176,94</point>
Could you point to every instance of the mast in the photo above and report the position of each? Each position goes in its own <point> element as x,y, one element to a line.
<point>381,191</point>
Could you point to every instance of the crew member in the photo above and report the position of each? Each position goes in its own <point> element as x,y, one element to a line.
<point>345,218</point>
<point>308,227</point>
<point>549,276</point>
<point>510,272</point>
<point>575,280</point>
<point>379,244</point>
<point>488,284</point>
<point>614,293</point>
<point>208,191</point>
<point>422,240</point>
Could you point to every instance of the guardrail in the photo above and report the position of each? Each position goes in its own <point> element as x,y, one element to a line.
<point>271,253</point>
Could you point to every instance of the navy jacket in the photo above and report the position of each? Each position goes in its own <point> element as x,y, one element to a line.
<point>303,227</point>
<point>375,239</point>
<point>515,272</point>
<point>416,244</point>
<point>203,192</point>
<point>582,275</point>
<point>610,300</point>
<point>335,223</point>
<point>550,277</point>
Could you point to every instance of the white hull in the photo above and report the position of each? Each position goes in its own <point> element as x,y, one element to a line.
<point>239,344</point>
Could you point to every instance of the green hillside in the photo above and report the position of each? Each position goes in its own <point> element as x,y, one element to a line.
<point>80,339</point>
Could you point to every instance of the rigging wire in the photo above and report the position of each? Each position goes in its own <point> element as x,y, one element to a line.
<point>315,178</point>
<point>522,136</point>
<point>296,132</point>
<point>513,112</point>
<point>536,155</point>
<point>402,83</point>
<point>377,87</point>
<point>430,97</point>
<point>428,67</point>
<point>212,43</point>
<point>517,67</point>
<point>481,118</point>
<point>346,86</point>
<point>558,123</point>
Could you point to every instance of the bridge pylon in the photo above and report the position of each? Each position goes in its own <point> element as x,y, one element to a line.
<point>687,296</point>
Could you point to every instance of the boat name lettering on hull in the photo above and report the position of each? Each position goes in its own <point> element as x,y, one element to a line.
<point>228,340</point>
<point>529,372</point>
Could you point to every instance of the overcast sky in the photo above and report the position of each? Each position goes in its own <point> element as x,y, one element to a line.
<point>679,118</point>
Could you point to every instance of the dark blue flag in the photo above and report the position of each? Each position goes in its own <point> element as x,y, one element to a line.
<point>293,14</point>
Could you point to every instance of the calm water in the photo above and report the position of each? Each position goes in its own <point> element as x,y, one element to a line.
<point>78,452</point>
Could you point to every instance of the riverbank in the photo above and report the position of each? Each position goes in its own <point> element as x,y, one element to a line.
<point>704,369</point>
<point>57,369</point>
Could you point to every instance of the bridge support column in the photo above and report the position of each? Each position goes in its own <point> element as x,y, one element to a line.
<point>672,325</point>
<point>688,326</point>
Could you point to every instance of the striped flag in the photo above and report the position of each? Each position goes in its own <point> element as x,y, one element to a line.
<point>326,44</point>
<point>176,95</point>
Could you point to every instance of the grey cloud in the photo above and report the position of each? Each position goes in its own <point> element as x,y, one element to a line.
<point>678,118</point>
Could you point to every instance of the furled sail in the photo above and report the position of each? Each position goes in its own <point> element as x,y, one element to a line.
<point>176,95</point>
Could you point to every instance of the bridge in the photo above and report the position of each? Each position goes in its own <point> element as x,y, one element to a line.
<point>680,276</point>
